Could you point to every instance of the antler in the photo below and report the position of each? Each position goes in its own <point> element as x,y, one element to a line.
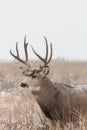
<point>45,60</point>
<point>18,56</point>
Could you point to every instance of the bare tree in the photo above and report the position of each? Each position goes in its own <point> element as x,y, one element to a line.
<point>58,101</point>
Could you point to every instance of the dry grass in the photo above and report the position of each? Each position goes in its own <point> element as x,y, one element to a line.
<point>71,72</point>
<point>19,110</point>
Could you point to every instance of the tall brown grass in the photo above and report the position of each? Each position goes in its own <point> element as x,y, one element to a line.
<point>70,72</point>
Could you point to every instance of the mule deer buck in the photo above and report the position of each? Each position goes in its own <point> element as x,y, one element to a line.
<point>58,101</point>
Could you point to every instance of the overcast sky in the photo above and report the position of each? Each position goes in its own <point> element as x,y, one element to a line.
<point>63,22</point>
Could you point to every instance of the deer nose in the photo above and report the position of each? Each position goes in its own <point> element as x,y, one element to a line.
<point>24,85</point>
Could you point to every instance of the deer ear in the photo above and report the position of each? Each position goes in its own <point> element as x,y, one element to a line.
<point>45,71</point>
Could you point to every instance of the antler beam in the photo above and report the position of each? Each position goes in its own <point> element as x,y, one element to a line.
<point>17,57</point>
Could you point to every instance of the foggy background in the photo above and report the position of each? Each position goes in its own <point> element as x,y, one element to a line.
<point>63,22</point>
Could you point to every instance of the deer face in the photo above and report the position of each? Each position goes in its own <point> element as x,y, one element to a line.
<point>34,74</point>
<point>28,71</point>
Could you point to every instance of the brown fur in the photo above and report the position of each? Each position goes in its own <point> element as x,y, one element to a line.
<point>59,101</point>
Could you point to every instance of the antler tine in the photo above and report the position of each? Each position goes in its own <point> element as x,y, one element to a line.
<point>51,53</point>
<point>46,49</point>
<point>25,49</point>
<point>17,49</point>
<point>37,54</point>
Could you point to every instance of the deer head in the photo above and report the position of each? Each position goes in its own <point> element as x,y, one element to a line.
<point>42,70</point>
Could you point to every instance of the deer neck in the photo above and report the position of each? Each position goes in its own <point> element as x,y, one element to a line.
<point>44,81</point>
<point>47,91</point>
<point>46,86</point>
